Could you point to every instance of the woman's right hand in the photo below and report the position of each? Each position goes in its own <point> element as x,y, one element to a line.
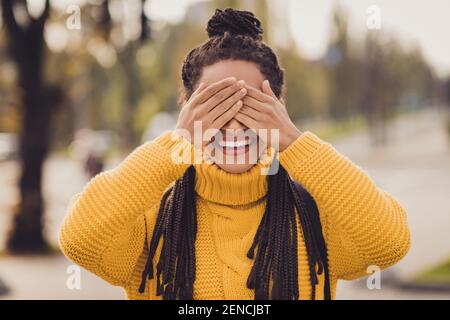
<point>214,106</point>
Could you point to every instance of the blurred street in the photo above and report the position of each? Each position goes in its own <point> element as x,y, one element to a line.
<point>415,167</point>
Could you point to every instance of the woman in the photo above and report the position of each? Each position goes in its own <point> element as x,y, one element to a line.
<point>162,228</point>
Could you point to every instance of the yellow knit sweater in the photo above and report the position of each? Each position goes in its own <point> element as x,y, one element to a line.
<point>109,222</point>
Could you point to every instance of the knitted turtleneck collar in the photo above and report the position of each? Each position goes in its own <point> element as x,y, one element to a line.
<point>217,185</point>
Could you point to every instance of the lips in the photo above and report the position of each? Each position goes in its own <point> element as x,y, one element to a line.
<point>234,144</point>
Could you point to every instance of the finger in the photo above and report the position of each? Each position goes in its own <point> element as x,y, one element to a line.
<point>247,121</point>
<point>200,87</point>
<point>267,89</point>
<point>252,113</point>
<point>256,104</point>
<point>228,103</point>
<point>227,115</point>
<point>213,89</point>
<point>222,95</point>
<point>257,94</point>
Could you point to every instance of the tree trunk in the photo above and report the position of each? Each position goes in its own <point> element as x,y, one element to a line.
<point>26,44</point>
<point>131,95</point>
<point>27,233</point>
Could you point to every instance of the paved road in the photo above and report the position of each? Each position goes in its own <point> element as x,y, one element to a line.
<point>415,167</point>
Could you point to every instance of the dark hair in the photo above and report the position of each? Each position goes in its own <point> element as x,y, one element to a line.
<point>237,34</point>
<point>233,35</point>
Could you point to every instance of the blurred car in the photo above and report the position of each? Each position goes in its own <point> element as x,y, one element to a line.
<point>8,146</point>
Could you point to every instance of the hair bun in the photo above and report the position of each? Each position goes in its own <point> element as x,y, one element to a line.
<point>235,22</point>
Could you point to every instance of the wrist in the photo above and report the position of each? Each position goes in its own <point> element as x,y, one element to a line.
<point>183,132</point>
<point>289,138</point>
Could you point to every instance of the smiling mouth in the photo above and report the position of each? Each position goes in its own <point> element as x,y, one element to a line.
<point>230,145</point>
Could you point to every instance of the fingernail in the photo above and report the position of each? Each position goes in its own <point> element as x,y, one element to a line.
<point>232,79</point>
<point>243,91</point>
<point>241,83</point>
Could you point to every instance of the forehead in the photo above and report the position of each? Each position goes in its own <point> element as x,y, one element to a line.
<point>242,70</point>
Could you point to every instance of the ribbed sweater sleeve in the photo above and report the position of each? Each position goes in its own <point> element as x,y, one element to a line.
<point>363,225</point>
<point>105,228</point>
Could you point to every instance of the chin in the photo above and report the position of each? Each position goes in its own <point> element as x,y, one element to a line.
<point>236,168</point>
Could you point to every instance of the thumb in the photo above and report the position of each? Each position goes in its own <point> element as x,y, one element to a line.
<point>283,103</point>
<point>268,90</point>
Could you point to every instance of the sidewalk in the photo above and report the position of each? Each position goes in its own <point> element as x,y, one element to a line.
<point>47,277</point>
<point>415,167</point>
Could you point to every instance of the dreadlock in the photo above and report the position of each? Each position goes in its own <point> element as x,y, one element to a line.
<point>236,34</point>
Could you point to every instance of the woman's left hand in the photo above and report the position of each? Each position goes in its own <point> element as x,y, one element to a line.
<point>263,110</point>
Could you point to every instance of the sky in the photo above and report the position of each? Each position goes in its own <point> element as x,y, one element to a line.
<point>414,21</point>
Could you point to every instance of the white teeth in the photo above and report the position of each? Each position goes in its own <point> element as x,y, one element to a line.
<point>233,144</point>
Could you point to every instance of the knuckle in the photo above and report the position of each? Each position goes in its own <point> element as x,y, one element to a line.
<point>231,106</point>
<point>220,95</point>
<point>234,87</point>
